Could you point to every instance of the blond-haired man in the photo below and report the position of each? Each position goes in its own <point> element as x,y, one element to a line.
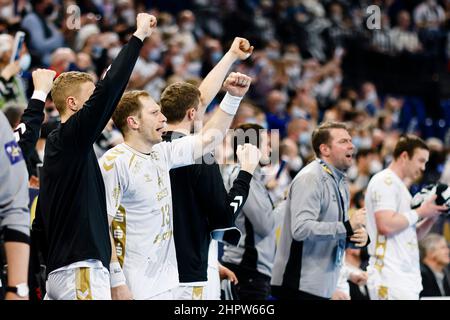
<point>72,196</point>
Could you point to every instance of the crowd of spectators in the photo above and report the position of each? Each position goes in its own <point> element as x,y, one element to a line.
<point>300,68</point>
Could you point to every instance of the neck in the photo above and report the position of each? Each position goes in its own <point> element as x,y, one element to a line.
<point>397,168</point>
<point>433,265</point>
<point>138,144</point>
<point>183,127</point>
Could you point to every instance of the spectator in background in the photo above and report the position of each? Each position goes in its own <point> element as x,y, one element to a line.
<point>277,117</point>
<point>11,84</point>
<point>148,74</point>
<point>403,39</point>
<point>252,259</point>
<point>435,260</point>
<point>43,35</point>
<point>61,60</point>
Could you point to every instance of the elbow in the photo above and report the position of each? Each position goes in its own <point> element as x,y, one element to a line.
<point>299,233</point>
<point>384,230</point>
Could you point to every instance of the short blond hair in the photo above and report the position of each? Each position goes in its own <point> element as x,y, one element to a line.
<point>68,84</point>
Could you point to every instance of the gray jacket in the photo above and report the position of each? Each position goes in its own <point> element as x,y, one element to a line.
<point>14,198</point>
<point>312,231</point>
<point>256,221</point>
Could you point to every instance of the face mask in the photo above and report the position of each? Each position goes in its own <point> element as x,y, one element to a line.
<point>293,72</point>
<point>296,112</point>
<point>304,138</point>
<point>296,164</point>
<point>372,96</point>
<point>272,54</point>
<point>366,143</point>
<point>375,166</point>
<point>48,10</point>
<point>7,12</point>
<point>129,16</point>
<point>356,142</point>
<point>97,51</point>
<point>155,54</point>
<point>25,61</point>
<point>336,18</point>
<point>187,26</point>
<point>281,107</point>
<point>215,57</point>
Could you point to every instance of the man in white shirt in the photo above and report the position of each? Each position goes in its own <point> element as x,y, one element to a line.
<point>394,270</point>
<point>138,190</point>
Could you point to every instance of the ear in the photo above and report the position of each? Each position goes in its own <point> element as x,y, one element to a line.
<point>71,104</point>
<point>191,114</point>
<point>324,149</point>
<point>404,155</point>
<point>132,123</point>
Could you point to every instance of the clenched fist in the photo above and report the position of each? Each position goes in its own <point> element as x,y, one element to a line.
<point>43,80</point>
<point>248,156</point>
<point>241,48</point>
<point>146,24</point>
<point>237,84</point>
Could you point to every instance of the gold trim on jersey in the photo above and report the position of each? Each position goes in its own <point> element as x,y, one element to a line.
<point>131,160</point>
<point>380,251</point>
<point>108,160</point>
<point>119,229</point>
<point>383,293</point>
<point>197,293</point>
<point>83,285</point>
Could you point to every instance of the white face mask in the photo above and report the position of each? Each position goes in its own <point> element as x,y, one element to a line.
<point>25,61</point>
<point>296,164</point>
<point>7,12</point>
<point>375,166</point>
<point>187,26</point>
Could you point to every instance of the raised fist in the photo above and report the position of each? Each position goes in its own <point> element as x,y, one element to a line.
<point>146,24</point>
<point>241,48</point>
<point>237,84</point>
<point>43,80</point>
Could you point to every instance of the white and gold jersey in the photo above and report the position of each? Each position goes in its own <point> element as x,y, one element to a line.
<point>394,259</point>
<point>138,196</point>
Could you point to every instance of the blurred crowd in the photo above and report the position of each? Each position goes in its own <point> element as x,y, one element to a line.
<point>298,79</point>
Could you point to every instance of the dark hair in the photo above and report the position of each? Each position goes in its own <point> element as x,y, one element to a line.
<point>321,135</point>
<point>409,143</point>
<point>178,98</point>
<point>363,152</point>
<point>243,134</point>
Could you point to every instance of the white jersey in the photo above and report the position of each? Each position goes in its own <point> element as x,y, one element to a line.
<point>394,259</point>
<point>138,196</point>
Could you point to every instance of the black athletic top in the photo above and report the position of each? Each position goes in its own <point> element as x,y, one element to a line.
<point>201,205</point>
<point>72,205</point>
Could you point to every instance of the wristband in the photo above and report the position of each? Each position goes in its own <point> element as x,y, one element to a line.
<point>39,95</point>
<point>412,217</point>
<point>230,104</point>
<point>117,278</point>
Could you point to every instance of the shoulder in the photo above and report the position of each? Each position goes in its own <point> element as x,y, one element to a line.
<point>384,178</point>
<point>115,157</point>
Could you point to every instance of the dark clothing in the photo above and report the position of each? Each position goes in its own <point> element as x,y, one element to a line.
<point>286,293</point>
<point>252,285</point>
<point>200,206</point>
<point>32,118</point>
<point>72,203</point>
<point>430,285</point>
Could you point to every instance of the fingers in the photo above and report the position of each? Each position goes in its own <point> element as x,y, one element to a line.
<point>240,79</point>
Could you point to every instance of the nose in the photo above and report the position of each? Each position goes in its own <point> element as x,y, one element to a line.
<point>163,118</point>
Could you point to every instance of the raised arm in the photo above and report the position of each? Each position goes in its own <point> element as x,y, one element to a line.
<point>87,124</point>
<point>213,133</point>
<point>33,116</point>
<point>210,86</point>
